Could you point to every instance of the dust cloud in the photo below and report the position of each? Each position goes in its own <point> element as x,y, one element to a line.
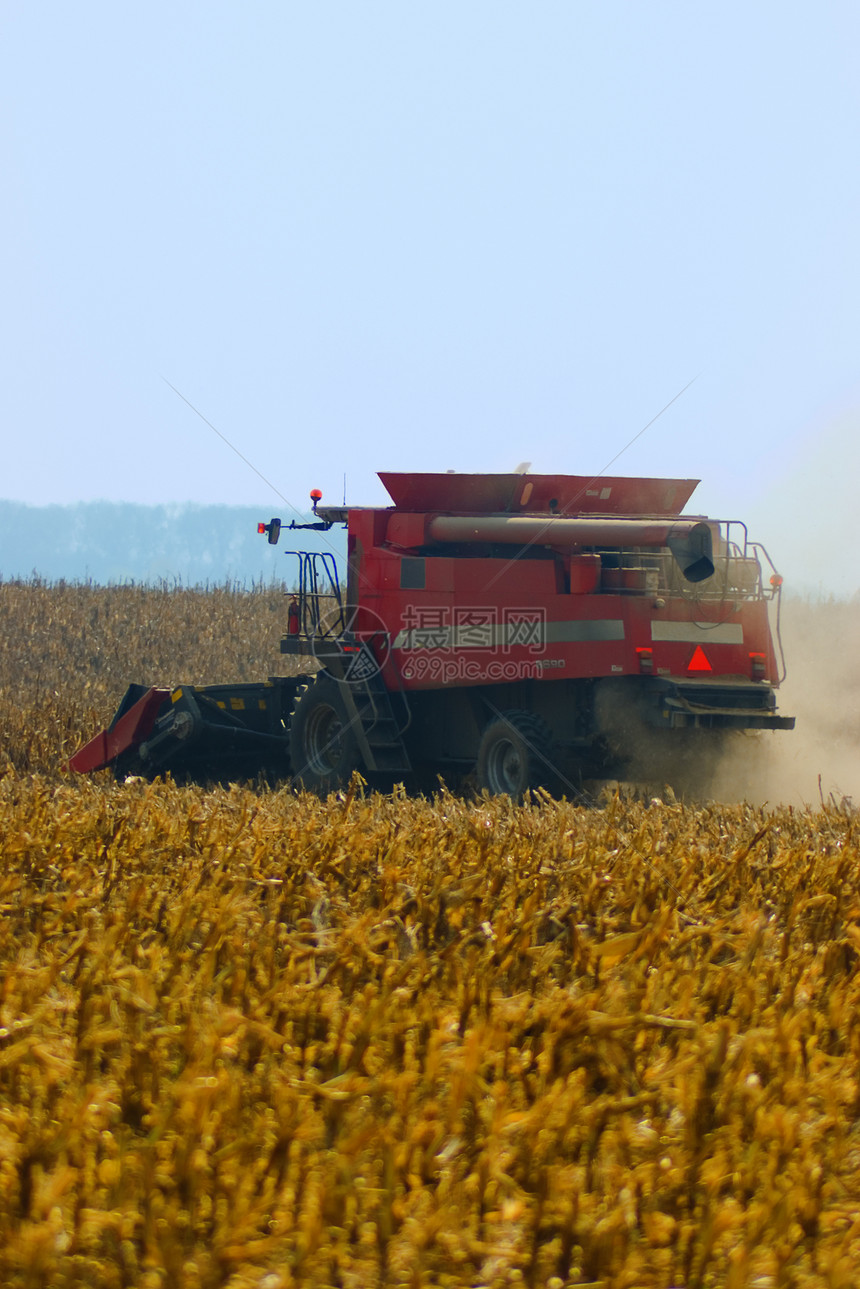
<point>818,762</point>
<point>820,759</point>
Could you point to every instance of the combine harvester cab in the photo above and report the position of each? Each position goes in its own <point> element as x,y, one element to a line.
<point>522,630</point>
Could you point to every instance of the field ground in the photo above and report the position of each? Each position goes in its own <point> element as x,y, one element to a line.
<point>253,1039</point>
<point>68,653</point>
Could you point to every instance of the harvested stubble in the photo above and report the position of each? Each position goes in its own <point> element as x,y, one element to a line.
<point>256,1040</point>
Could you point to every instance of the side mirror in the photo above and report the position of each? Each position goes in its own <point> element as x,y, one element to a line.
<point>273,529</point>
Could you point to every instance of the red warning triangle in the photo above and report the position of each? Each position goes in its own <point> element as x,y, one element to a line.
<point>699,661</point>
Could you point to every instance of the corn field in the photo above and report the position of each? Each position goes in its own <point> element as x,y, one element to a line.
<point>68,653</point>
<point>251,1039</point>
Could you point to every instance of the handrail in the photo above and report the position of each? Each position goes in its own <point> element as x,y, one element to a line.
<point>316,568</point>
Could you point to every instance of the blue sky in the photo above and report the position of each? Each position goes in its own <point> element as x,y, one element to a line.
<point>391,236</point>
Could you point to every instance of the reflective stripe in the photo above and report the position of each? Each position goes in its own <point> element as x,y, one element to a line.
<point>529,633</point>
<point>698,632</point>
<point>585,629</point>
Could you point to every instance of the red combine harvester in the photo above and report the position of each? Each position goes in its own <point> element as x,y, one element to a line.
<point>530,630</point>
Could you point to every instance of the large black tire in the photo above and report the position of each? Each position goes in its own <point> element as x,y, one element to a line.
<point>516,753</point>
<point>324,751</point>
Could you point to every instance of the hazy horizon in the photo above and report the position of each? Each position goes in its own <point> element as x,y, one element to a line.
<point>434,237</point>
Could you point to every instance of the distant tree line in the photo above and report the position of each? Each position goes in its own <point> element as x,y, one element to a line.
<point>182,544</point>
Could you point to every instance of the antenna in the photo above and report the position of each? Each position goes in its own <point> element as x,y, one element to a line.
<point>344,487</point>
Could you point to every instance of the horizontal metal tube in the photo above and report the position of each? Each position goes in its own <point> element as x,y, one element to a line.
<point>689,540</point>
<point>557,530</point>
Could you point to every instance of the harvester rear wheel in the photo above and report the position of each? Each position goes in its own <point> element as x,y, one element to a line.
<point>323,749</point>
<point>516,753</point>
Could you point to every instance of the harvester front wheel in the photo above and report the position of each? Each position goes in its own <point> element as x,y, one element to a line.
<point>515,754</point>
<point>323,749</point>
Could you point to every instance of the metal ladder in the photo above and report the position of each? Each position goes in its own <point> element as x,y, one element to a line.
<point>369,706</point>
